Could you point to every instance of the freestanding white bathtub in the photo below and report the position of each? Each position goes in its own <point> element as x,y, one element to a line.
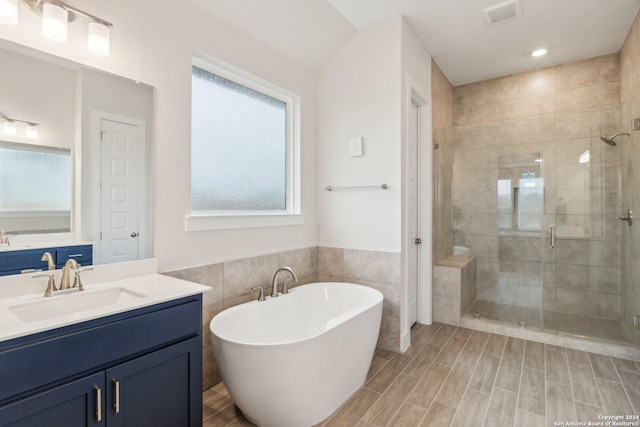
<point>291,361</point>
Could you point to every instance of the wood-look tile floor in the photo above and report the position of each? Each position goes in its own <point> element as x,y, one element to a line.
<point>458,377</point>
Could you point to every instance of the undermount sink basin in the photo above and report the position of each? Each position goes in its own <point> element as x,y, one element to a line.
<point>66,304</point>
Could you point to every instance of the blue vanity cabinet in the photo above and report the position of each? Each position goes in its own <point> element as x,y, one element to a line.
<point>140,368</point>
<point>29,260</point>
<point>16,262</point>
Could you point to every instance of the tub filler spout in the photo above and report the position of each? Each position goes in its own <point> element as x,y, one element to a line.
<point>274,284</point>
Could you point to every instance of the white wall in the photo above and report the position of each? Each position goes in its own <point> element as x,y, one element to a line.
<point>359,95</point>
<point>44,93</point>
<point>153,42</point>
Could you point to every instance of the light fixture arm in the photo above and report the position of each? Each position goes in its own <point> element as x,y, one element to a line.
<point>9,119</point>
<point>36,6</point>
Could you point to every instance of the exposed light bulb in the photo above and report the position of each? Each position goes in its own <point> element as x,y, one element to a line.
<point>98,42</point>
<point>539,52</point>
<point>9,12</point>
<point>10,128</point>
<point>54,22</point>
<point>32,131</point>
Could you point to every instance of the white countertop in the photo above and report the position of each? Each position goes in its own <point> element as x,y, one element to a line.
<point>39,245</point>
<point>149,290</point>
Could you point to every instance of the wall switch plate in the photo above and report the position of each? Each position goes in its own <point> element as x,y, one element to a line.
<point>636,321</point>
<point>355,147</point>
<point>635,124</point>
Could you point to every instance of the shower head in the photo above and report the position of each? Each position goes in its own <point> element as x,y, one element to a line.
<point>610,139</point>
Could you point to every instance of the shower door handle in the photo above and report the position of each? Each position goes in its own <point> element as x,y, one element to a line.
<point>553,236</point>
<point>627,217</point>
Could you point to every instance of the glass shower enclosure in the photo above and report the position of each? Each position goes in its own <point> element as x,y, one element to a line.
<point>546,233</point>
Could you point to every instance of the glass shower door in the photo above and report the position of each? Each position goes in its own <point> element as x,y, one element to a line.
<point>581,265</point>
<point>502,223</point>
<point>520,190</point>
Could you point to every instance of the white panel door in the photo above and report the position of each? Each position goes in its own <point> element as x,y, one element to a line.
<point>119,192</point>
<point>413,230</point>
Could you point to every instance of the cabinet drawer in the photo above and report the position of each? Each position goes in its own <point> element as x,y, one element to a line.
<point>51,358</point>
<point>82,254</point>
<point>15,261</point>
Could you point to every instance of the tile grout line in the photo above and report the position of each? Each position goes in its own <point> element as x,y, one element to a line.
<point>622,384</point>
<point>363,386</point>
<point>445,380</point>
<point>475,366</point>
<point>425,372</point>
<point>380,396</point>
<point>573,401</point>
<point>520,382</point>
<point>495,379</point>
<point>595,378</point>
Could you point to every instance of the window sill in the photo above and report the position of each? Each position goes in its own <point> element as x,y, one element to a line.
<point>238,221</point>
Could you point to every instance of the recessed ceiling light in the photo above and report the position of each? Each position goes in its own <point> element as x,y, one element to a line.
<point>539,52</point>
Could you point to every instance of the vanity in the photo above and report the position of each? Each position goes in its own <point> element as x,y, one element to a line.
<point>124,352</point>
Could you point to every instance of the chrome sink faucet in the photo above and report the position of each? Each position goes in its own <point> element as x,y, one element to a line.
<point>274,284</point>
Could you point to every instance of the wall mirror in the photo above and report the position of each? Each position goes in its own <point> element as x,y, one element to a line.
<point>75,160</point>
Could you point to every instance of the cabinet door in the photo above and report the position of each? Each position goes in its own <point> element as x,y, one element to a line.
<point>161,389</point>
<point>76,404</point>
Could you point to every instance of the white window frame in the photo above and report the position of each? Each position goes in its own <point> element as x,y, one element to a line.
<point>223,220</point>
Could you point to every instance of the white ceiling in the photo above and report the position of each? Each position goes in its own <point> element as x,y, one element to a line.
<point>452,31</point>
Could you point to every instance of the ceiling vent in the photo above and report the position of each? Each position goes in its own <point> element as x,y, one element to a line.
<point>503,12</point>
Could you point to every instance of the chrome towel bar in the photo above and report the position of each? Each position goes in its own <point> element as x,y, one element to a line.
<point>358,187</point>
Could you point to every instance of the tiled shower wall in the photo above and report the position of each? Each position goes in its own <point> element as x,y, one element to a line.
<point>630,150</point>
<point>231,284</point>
<point>501,126</point>
<point>442,111</point>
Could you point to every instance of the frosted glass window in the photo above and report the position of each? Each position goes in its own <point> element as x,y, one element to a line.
<point>35,179</point>
<point>238,147</point>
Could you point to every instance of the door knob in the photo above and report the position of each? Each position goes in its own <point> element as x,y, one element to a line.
<point>134,234</point>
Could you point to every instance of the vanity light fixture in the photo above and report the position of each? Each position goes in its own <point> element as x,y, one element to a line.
<point>56,16</point>
<point>54,22</point>
<point>32,131</point>
<point>9,12</point>
<point>10,127</point>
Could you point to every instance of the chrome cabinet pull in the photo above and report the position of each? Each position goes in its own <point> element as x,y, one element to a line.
<point>74,255</point>
<point>98,403</point>
<point>553,237</point>
<point>116,405</point>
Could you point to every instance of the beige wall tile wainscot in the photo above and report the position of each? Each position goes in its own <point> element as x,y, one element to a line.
<point>231,284</point>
